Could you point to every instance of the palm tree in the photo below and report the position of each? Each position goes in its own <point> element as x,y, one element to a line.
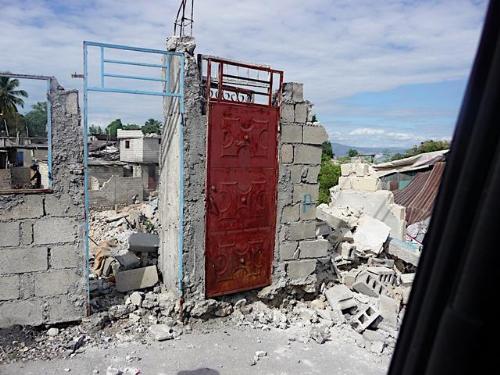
<point>10,96</point>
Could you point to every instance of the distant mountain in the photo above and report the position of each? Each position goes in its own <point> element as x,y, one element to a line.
<point>341,150</point>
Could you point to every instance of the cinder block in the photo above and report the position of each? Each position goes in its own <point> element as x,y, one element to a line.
<point>21,312</point>
<point>301,113</point>
<point>70,256</point>
<point>300,269</point>
<point>298,173</point>
<point>368,284</point>
<point>55,282</point>
<point>314,134</point>
<point>26,233</point>
<point>340,297</point>
<point>307,154</point>
<point>23,260</point>
<point>62,309</point>
<point>313,249</point>
<point>389,309</point>
<point>287,113</point>
<point>9,234</point>
<point>307,193</point>
<point>138,278</point>
<point>383,274</point>
<point>345,183</point>
<point>312,174</point>
<point>9,287</point>
<point>407,279</point>
<point>301,231</point>
<point>364,319</point>
<point>55,230</point>
<point>31,207</point>
<point>290,213</point>
<point>366,183</point>
<point>62,206</point>
<point>288,250</point>
<point>286,154</point>
<point>293,91</point>
<point>308,211</point>
<point>291,133</point>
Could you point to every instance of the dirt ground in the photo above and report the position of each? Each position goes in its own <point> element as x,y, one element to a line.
<point>228,350</point>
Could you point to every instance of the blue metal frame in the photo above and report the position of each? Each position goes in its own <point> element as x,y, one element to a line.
<point>48,79</point>
<point>165,93</point>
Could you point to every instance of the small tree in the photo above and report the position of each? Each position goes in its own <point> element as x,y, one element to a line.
<point>329,173</point>
<point>36,120</point>
<point>152,126</point>
<point>95,130</point>
<point>352,152</point>
<point>113,127</point>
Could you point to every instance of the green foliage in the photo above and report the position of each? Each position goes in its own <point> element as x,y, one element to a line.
<point>423,147</point>
<point>327,150</point>
<point>95,130</point>
<point>10,96</point>
<point>329,174</point>
<point>131,127</point>
<point>36,120</point>
<point>152,126</point>
<point>113,127</point>
<point>314,118</point>
<point>352,152</point>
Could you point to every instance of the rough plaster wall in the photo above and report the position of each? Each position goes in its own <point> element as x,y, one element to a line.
<point>299,256</point>
<point>150,150</point>
<point>168,189</point>
<point>42,277</point>
<point>194,150</point>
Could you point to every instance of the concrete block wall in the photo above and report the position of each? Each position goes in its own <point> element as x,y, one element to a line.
<point>42,277</point>
<point>298,253</point>
<point>117,191</point>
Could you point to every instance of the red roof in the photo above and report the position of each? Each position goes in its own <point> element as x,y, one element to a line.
<point>418,197</point>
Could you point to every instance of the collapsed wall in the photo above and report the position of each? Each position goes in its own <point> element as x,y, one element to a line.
<point>42,277</point>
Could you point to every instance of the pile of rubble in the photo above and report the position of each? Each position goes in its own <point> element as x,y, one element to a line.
<point>124,253</point>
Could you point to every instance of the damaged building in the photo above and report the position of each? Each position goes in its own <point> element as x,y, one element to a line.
<point>235,222</point>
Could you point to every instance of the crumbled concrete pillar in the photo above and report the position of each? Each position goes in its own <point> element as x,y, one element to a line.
<point>194,170</point>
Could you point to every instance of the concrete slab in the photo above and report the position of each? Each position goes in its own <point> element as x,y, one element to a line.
<point>370,235</point>
<point>138,278</point>
<point>144,242</point>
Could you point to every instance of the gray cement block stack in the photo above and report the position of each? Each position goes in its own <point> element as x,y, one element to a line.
<point>42,277</point>
<point>298,250</point>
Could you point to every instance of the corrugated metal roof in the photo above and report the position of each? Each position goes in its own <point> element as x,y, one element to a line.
<point>418,197</point>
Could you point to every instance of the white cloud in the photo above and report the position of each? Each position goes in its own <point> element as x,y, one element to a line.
<point>366,131</point>
<point>337,48</point>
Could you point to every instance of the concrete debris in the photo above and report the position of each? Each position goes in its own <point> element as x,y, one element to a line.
<point>407,279</point>
<point>340,297</point>
<point>370,235</point>
<point>337,217</point>
<point>389,310</point>
<point>53,332</point>
<point>144,242</point>
<point>364,319</point>
<point>139,278</point>
<point>368,284</point>
<point>406,251</point>
<point>383,274</point>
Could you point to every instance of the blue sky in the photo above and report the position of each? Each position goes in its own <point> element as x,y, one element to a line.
<point>380,73</point>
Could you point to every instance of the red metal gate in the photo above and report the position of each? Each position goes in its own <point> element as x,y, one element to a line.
<point>241,176</point>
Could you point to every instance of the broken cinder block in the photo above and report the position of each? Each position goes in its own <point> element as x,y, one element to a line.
<point>135,279</point>
<point>340,297</point>
<point>368,284</point>
<point>364,319</point>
